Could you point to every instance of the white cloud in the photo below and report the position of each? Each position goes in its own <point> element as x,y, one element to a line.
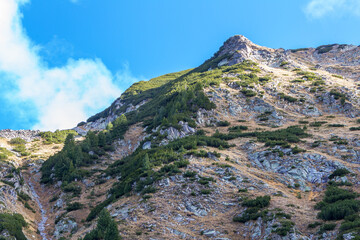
<point>62,96</point>
<point>320,8</point>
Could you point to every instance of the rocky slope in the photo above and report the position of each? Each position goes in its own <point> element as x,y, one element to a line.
<point>256,143</point>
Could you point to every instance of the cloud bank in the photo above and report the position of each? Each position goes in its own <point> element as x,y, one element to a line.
<point>62,96</point>
<point>321,8</point>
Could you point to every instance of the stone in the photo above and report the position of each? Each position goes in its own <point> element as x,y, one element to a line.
<point>147,145</point>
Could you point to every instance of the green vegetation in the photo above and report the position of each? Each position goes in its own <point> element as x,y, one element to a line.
<point>303,122</point>
<point>19,146</point>
<point>354,128</point>
<point>223,124</point>
<point>314,225</point>
<point>65,165</point>
<point>336,125</point>
<point>296,150</point>
<point>141,91</point>
<point>57,136</point>
<point>299,50</point>
<point>337,76</point>
<point>339,141</point>
<point>72,187</point>
<point>248,93</point>
<point>338,95</point>
<point>13,223</point>
<point>23,196</point>
<point>340,204</point>
<point>325,48</point>
<point>5,154</point>
<point>317,123</point>
<point>238,128</point>
<point>17,141</point>
<point>170,158</point>
<point>254,209</point>
<point>74,206</point>
<point>285,228</point>
<point>205,191</point>
<point>340,172</point>
<point>298,81</point>
<point>281,137</point>
<point>287,97</point>
<point>350,225</point>
<point>283,63</point>
<point>327,227</point>
<point>189,174</point>
<point>177,98</point>
<point>309,76</point>
<point>106,229</point>
<point>337,204</point>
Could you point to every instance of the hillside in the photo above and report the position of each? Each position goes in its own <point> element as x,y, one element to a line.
<point>256,143</point>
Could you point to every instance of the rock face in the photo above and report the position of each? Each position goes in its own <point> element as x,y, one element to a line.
<point>239,48</point>
<point>27,135</point>
<point>64,226</point>
<point>113,112</point>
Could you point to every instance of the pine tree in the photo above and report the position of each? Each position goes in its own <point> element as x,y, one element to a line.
<point>146,162</point>
<point>104,221</point>
<point>120,127</point>
<point>102,139</point>
<point>112,232</point>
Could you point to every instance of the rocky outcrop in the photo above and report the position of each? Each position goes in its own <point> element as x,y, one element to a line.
<point>239,48</point>
<point>27,135</point>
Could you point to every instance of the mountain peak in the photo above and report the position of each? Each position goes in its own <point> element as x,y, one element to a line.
<point>239,48</point>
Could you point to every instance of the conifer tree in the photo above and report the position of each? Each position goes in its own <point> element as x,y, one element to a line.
<point>146,162</point>
<point>112,232</point>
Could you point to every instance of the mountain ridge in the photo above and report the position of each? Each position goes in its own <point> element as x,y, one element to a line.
<point>255,143</point>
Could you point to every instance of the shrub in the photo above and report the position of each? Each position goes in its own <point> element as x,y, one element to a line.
<point>237,128</point>
<point>314,224</point>
<point>327,227</point>
<point>337,204</point>
<point>339,210</point>
<point>23,196</point>
<point>285,228</point>
<point>283,63</point>
<point>303,122</point>
<point>13,223</point>
<point>296,150</point>
<point>27,205</point>
<point>106,228</point>
<point>189,174</point>
<point>72,187</point>
<point>340,172</point>
<point>324,48</point>
<point>264,79</point>
<point>205,191</point>
<point>337,95</point>
<point>287,97</point>
<point>74,206</point>
<point>317,123</point>
<point>259,202</point>
<point>57,136</point>
<point>253,211</point>
<point>223,124</point>
<point>17,141</point>
<point>248,93</point>
<point>336,125</point>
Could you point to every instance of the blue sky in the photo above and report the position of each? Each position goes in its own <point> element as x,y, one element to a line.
<point>64,60</point>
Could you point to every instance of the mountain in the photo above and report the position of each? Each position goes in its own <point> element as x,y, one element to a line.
<point>255,143</point>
